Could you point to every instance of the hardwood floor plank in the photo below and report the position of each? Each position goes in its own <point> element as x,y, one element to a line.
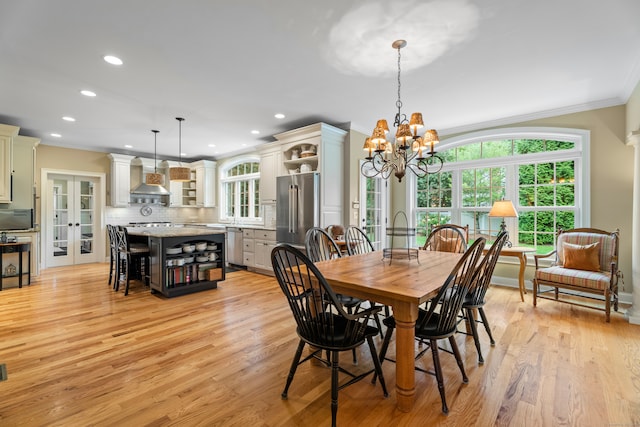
<point>78,353</point>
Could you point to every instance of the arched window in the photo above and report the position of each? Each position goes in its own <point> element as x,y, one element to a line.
<point>240,185</point>
<point>543,171</point>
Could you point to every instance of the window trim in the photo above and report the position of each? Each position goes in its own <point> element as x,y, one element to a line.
<point>580,137</point>
<point>223,179</point>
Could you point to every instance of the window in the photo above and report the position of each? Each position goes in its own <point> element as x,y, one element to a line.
<point>543,171</point>
<point>241,190</point>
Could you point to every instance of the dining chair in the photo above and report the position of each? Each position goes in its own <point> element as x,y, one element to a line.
<point>322,321</point>
<point>440,318</point>
<point>447,238</point>
<point>320,246</point>
<point>133,259</point>
<point>357,241</point>
<point>475,299</point>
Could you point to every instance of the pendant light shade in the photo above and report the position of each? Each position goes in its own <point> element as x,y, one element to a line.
<point>180,173</point>
<point>154,178</point>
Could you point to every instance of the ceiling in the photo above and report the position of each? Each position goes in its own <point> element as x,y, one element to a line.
<point>228,67</point>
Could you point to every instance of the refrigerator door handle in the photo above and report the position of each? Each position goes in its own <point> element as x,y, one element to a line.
<point>293,208</point>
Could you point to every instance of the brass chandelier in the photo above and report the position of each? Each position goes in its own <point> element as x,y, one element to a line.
<point>409,151</point>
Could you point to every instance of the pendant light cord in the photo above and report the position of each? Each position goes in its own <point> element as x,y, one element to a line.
<point>155,150</point>
<point>180,120</point>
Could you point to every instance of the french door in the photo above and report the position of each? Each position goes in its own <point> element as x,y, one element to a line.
<point>71,217</point>
<point>374,209</point>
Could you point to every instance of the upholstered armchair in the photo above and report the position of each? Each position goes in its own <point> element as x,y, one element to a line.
<point>586,262</point>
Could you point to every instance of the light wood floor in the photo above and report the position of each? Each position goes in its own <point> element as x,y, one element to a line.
<point>79,354</point>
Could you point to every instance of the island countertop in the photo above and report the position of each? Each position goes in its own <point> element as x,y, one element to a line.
<point>163,232</point>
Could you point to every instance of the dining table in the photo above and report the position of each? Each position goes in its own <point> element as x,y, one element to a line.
<point>403,284</point>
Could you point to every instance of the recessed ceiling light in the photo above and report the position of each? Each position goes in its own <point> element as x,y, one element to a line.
<point>113,60</point>
<point>88,93</point>
<point>56,135</point>
<point>183,154</point>
<point>68,119</point>
<point>279,116</point>
<point>212,145</point>
<point>255,132</point>
<point>244,145</point>
<point>128,146</point>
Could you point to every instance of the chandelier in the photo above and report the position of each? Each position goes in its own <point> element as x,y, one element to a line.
<point>409,151</point>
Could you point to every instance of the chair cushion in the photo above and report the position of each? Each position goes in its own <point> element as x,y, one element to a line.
<point>607,246</point>
<point>582,257</point>
<point>598,280</point>
<point>448,244</point>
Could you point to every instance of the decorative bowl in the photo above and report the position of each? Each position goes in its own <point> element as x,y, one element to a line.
<point>212,247</point>
<point>188,248</point>
<point>189,260</point>
<point>202,259</point>
<point>173,251</point>
<point>201,246</point>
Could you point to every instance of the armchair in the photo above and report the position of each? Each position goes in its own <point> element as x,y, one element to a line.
<point>586,261</point>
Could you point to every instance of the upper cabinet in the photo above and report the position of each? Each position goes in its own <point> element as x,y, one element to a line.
<point>199,191</point>
<point>270,168</point>
<point>120,180</point>
<point>318,147</point>
<point>7,133</point>
<point>24,175</point>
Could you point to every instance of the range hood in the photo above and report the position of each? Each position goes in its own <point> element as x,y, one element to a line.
<point>143,188</point>
<point>153,190</point>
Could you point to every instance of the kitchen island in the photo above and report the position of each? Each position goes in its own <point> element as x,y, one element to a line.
<point>183,260</point>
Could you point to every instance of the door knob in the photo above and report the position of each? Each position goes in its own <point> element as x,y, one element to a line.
<point>70,225</point>
<point>77,224</point>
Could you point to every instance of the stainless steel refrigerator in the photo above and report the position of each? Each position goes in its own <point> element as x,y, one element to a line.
<point>297,206</point>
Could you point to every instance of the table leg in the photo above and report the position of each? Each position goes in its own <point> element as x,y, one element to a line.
<point>523,264</point>
<point>405,315</point>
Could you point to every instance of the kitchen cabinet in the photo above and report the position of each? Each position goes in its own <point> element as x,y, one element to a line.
<point>264,242</point>
<point>24,166</point>
<point>7,133</point>
<point>174,272</point>
<point>270,161</point>
<point>120,180</point>
<point>248,247</point>
<point>327,142</point>
<point>199,191</point>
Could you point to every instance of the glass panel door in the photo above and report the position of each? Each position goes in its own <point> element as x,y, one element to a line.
<point>71,220</point>
<point>374,209</point>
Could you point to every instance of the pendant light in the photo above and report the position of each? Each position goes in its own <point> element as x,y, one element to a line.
<point>154,178</point>
<point>180,173</point>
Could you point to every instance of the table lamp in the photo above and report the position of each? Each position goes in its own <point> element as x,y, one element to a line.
<point>504,209</point>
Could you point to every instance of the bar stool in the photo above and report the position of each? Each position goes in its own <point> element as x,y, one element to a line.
<point>114,268</point>
<point>133,259</point>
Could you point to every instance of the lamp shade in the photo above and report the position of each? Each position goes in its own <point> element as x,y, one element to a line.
<point>179,173</point>
<point>503,208</point>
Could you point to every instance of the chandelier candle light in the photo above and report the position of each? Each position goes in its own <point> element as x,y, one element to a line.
<point>504,209</point>
<point>409,151</point>
<point>179,173</point>
<point>154,178</point>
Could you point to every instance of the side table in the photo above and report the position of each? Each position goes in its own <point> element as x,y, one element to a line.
<point>19,248</point>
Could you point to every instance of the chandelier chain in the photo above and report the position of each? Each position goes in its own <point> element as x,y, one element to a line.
<point>398,120</point>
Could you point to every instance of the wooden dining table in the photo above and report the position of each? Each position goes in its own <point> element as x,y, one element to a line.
<point>403,284</point>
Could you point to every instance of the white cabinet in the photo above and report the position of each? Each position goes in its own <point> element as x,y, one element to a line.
<point>7,133</point>
<point>120,180</point>
<point>205,183</point>
<point>264,242</point>
<point>326,142</point>
<point>248,247</point>
<point>199,191</point>
<point>24,172</point>
<point>270,161</point>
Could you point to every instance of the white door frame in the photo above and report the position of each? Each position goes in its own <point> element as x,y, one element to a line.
<point>384,209</point>
<point>100,203</point>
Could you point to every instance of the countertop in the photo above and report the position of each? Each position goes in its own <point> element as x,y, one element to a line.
<point>224,226</point>
<point>172,231</point>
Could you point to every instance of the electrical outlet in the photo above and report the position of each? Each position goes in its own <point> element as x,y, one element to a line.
<point>355,215</point>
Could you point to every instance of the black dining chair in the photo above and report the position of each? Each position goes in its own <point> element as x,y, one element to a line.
<point>440,318</point>
<point>133,259</point>
<point>357,241</point>
<point>322,321</point>
<point>114,266</point>
<point>475,299</point>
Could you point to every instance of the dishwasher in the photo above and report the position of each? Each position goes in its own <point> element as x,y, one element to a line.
<point>234,246</point>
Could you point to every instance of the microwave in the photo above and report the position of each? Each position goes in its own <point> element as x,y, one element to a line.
<point>16,219</point>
